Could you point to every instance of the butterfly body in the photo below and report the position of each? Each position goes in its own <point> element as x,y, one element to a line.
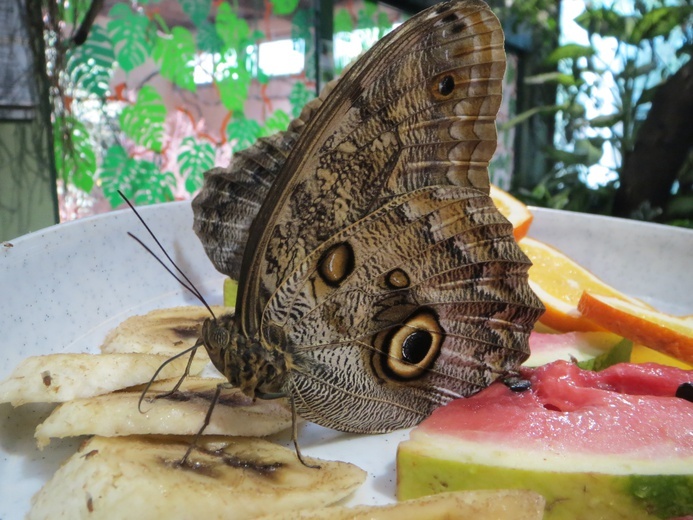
<point>377,280</point>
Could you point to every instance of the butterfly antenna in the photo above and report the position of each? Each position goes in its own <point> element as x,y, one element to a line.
<point>182,279</point>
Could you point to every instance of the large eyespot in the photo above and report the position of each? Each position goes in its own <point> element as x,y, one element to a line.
<point>411,348</point>
<point>336,264</point>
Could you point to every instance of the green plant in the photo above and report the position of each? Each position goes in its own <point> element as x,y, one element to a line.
<point>649,44</point>
<point>148,137</point>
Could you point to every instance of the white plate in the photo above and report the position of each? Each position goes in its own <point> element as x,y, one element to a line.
<point>62,289</point>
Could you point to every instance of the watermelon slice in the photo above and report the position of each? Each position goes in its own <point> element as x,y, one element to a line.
<point>586,346</point>
<point>578,346</point>
<point>598,445</point>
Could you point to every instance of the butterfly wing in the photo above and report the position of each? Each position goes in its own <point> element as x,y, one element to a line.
<point>417,109</point>
<point>422,301</point>
<point>377,262</point>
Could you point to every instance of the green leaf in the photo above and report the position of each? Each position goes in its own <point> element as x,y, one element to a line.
<point>140,180</point>
<point>343,21</point>
<point>680,206</point>
<point>606,21</point>
<point>606,121</point>
<point>194,159</point>
<point>207,38</point>
<point>619,353</point>
<point>301,29</point>
<point>365,15</point>
<point>232,30</point>
<point>383,23</point>
<point>298,97</point>
<point>129,32</point>
<point>114,175</point>
<point>283,7</point>
<point>569,50</point>
<point>590,153</point>
<point>151,185</point>
<point>524,116</point>
<point>659,22</point>
<point>197,10</point>
<point>72,11</point>
<point>144,121</point>
<point>175,54</point>
<point>90,65</point>
<point>233,88</point>
<point>75,159</point>
<point>558,78</point>
<point>243,131</point>
<point>277,122</point>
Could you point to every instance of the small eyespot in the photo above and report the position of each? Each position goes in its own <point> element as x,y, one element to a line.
<point>397,279</point>
<point>336,264</point>
<point>458,28</point>
<point>449,18</point>
<point>446,85</point>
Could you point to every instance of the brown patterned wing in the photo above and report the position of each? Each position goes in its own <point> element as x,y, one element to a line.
<point>416,110</point>
<point>422,301</point>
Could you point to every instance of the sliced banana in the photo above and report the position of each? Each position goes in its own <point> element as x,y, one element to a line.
<point>162,331</point>
<point>503,504</point>
<point>181,413</point>
<point>230,478</point>
<point>56,378</point>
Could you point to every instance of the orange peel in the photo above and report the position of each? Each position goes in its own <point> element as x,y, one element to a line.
<point>559,282</point>
<point>514,210</point>
<point>671,335</point>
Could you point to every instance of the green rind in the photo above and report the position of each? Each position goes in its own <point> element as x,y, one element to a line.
<point>569,496</point>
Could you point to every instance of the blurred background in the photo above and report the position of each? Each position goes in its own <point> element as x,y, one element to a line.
<point>144,96</point>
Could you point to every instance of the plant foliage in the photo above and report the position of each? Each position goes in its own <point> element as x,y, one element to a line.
<point>119,95</point>
<point>650,43</point>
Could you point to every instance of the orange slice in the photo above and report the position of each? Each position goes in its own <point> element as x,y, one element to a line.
<point>559,283</point>
<point>643,354</point>
<point>665,333</point>
<point>514,210</point>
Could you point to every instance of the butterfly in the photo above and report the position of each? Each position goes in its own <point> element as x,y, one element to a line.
<point>377,280</point>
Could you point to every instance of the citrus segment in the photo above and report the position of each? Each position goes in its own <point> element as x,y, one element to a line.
<point>514,210</point>
<point>643,354</point>
<point>559,282</point>
<point>659,331</point>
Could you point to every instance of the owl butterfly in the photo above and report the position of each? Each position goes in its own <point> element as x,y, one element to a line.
<point>377,280</point>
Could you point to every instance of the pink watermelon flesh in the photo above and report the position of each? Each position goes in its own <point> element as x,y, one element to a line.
<point>625,409</point>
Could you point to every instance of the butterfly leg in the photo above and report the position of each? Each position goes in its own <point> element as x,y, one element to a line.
<point>186,372</point>
<point>294,435</point>
<point>205,423</point>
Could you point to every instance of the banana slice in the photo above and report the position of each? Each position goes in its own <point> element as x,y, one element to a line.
<point>503,504</point>
<point>182,413</point>
<point>163,331</point>
<point>230,478</point>
<point>56,378</point>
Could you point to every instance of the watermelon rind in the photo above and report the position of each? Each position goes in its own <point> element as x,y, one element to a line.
<point>432,464</point>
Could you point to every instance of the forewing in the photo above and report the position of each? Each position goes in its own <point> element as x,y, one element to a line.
<point>416,110</point>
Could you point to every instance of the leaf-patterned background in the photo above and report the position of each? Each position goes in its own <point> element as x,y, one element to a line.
<point>163,90</point>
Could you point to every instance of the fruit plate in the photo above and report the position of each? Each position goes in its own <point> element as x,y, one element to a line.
<point>65,287</point>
